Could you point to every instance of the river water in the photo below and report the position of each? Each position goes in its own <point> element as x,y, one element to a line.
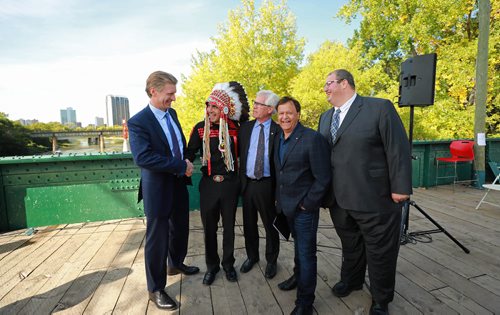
<point>81,145</point>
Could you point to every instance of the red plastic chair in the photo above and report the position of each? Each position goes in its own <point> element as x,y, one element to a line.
<point>461,151</point>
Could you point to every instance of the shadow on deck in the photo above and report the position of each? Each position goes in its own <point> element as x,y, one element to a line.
<point>98,268</point>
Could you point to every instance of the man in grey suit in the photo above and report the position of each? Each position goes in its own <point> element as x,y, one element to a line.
<point>302,179</point>
<point>371,168</point>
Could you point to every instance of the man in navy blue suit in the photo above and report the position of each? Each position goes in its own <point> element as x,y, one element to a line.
<point>302,179</point>
<point>157,144</point>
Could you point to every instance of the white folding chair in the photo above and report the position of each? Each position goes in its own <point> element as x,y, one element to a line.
<point>493,186</point>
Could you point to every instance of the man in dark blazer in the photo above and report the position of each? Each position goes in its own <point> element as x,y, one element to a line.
<point>302,179</point>
<point>257,181</point>
<point>371,168</point>
<point>157,144</point>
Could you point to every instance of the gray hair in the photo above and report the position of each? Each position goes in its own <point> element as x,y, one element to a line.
<point>271,99</point>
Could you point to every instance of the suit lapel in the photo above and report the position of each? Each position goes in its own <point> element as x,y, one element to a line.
<point>173,113</point>
<point>273,131</point>
<point>294,139</point>
<point>349,118</point>
<point>326,123</point>
<point>156,126</point>
<point>248,135</point>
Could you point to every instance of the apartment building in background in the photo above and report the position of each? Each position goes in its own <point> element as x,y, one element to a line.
<point>117,109</point>
<point>99,121</point>
<point>68,117</point>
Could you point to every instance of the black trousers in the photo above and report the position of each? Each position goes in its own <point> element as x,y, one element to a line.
<point>369,239</point>
<point>167,239</point>
<point>218,199</point>
<point>258,198</point>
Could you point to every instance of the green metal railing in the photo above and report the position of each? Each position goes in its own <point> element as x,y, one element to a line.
<point>424,166</point>
<point>46,190</point>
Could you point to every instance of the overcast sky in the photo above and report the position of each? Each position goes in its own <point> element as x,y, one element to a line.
<point>72,53</point>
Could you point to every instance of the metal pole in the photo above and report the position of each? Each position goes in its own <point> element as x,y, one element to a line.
<point>481,89</point>
<point>54,143</point>
<point>101,142</point>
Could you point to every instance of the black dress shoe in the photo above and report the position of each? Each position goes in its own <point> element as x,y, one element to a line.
<point>288,284</point>
<point>302,310</point>
<point>231,275</point>
<point>209,277</point>
<point>248,265</point>
<point>379,309</point>
<point>271,269</point>
<point>162,300</point>
<point>187,270</point>
<point>342,289</point>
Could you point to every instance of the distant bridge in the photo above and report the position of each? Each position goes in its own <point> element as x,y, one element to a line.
<point>94,136</point>
<point>83,133</point>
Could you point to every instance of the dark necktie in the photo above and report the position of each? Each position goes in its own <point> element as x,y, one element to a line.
<point>175,143</point>
<point>335,124</point>
<point>259,159</point>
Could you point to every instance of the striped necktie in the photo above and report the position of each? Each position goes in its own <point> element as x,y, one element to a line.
<point>335,124</point>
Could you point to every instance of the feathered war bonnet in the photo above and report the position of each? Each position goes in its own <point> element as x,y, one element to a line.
<point>231,99</point>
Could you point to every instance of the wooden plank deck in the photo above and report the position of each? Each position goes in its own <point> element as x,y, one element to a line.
<point>98,268</point>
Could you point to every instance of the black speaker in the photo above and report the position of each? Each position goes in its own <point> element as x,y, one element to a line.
<point>417,81</point>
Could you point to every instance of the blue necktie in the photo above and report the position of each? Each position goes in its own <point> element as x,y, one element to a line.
<point>259,159</point>
<point>335,124</point>
<point>175,143</point>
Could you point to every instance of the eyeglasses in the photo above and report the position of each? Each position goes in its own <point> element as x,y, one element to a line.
<point>255,103</point>
<point>328,83</point>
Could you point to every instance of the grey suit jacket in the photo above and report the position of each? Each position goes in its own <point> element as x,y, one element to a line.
<point>370,157</point>
<point>303,177</point>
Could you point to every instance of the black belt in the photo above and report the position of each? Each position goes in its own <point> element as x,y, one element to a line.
<point>220,178</point>
<point>258,180</point>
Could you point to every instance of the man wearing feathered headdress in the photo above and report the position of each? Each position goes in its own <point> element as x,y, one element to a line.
<point>215,139</point>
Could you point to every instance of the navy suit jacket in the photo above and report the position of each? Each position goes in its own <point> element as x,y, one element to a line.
<point>244,136</point>
<point>304,175</point>
<point>159,169</point>
<point>370,157</point>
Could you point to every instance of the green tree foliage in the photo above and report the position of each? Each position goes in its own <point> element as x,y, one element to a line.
<point>57,126</point>
<point>307,86</point>
<point>50,126</point>
<point>15,139</point>
<point>392,31</point>
<point>257,47</point>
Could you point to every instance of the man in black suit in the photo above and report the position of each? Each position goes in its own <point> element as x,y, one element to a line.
<point>302,179</point>
<point>371,168</point>
<point>255,139</point>
<point>157,144</point>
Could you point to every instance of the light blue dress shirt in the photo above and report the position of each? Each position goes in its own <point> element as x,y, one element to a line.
<point>252,150</point>
<point>160,116</point>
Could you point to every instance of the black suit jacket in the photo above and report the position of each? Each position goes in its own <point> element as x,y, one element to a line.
<point>159,169</point>
<point>303,177</point>
<point>244,135</point>
<point>370,157</point>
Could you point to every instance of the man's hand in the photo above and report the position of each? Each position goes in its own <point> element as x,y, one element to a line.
<point>189,168</point>
<point>397,198</point>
